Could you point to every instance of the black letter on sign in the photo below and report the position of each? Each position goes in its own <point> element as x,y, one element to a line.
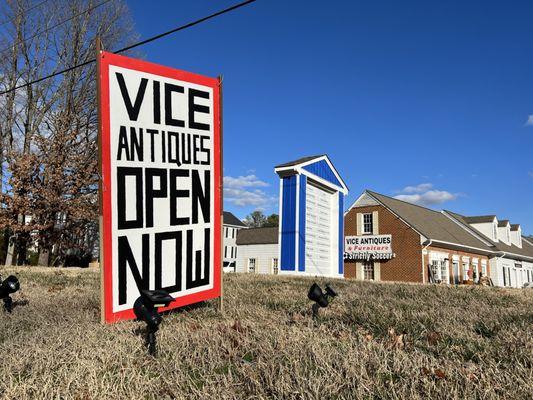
<point>193,107</point>
<point>169,88</point>
<point>123,144</point>
<point>159,237</point>
<point>152,193</point>
<point>201,197</point>
<point>174,193</point>
<point>157,103</point>
<point>125,256</point>
<point>133,110</point>
<point>198,281</point>
<point>122,172</point>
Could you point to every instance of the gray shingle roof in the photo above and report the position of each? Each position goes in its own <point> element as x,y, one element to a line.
<point>503,222</point>
<point>258,236</point>
<point>526,250</point>
<point>298,161</point>
<point>514,227</point>
<point>432,224</point>
<point>480,218</point>
<point>230,219</point>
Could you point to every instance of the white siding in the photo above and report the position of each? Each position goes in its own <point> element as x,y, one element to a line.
<point>486,228</point>
<point>518,275</point>
<point>263,254</point>
<point>230,243</point>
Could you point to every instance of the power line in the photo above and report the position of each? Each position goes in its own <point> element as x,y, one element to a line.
<point>88,10</point>
<point>190,24</point>
<point>2,23</point>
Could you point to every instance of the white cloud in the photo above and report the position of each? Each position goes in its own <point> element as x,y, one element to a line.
<point>243,197</point>
<point>423,187</point>
<point>243,181</point>
<point>242,192</point>
<point>529,121</point>
<point>424,195</point>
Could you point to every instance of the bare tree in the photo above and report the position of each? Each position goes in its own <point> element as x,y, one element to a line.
<point>50,153</point>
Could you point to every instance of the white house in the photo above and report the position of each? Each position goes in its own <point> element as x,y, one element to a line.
<point>231,226</point>
<point>258,250</point>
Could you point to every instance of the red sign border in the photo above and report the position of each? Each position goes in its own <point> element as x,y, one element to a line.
<point>104,60</point>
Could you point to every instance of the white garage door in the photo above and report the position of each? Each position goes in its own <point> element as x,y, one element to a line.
<point>317,231</point>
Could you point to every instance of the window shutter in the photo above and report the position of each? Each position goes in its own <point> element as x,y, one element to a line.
<point>359,224</point>
<point>375,223</point>
<point>377,271</point>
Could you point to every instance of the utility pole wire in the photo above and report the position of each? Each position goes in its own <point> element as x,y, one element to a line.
<point>24,12</point>
<point>190,24</point>
<point>88,10</point>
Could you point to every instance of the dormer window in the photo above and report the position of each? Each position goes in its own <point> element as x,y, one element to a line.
<point>508,235</point>
<point>495,231</point>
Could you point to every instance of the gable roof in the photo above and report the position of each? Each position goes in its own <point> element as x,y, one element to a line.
<point>319,168</point>
<point>298,161</point>
<point>258,236</point>
<point>230,219</point>
<point>480,219</point>
<point>515,227</point>
<point>502,223</point>
<point>431,224</point>
<point>526,249</point>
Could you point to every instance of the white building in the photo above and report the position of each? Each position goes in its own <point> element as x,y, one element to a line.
<point>258,250</point>
<point>231,225</point>
<point>511,262</point>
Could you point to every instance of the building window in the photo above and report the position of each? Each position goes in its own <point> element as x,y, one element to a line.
<point>225,251</point>
<point>456,272</point>
<point>231,251</point>
<point>368,270</point>
<point>275,268</point>
<point>367,224</point>
<point>495,231</point>
<point>445,276</point>
<point>236,252</point>
<point>435,270</point>
<point>226,233</point>
<point>233,233</point>
<point>475,271</point>
<point>251,265</point>
<point>466,270</point>
<point>483,268</point>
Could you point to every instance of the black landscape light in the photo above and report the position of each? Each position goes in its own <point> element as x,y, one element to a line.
<point>7,287</point>
<point>145,308</point>
<point>320,298</point>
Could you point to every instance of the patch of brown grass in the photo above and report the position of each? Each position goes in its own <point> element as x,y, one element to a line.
<point>374,341</point>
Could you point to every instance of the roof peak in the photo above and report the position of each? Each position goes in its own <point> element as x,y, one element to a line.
<point>299,161</point>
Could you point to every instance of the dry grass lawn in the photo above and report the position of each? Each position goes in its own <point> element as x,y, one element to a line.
<point>375,341</point>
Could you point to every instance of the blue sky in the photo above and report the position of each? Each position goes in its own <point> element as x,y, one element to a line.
<point>429,100</point>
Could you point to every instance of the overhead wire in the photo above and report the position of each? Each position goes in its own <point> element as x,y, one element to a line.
<point>132,46</point>
<point>2,23</point>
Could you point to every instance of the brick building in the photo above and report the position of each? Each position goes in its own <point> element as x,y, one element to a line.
<point>392,240</point>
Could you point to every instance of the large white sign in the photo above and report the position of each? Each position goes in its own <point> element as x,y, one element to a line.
<point>368,247</point>
<point>160,149</point>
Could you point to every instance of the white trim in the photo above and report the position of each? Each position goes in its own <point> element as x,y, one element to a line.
<point>298,167</point>
<point>297,227</point>
<point>280,219</point>
<point>235,226</point>
<point>463,246</point>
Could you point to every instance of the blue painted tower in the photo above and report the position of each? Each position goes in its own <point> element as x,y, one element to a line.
<point>311,214</point>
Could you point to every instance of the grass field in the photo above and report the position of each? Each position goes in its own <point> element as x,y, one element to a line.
<point>374,341</point>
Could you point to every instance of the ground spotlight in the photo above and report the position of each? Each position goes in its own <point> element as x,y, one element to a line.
<point>145,308</point>
<point>7,287</point>
<point>320,298</point>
